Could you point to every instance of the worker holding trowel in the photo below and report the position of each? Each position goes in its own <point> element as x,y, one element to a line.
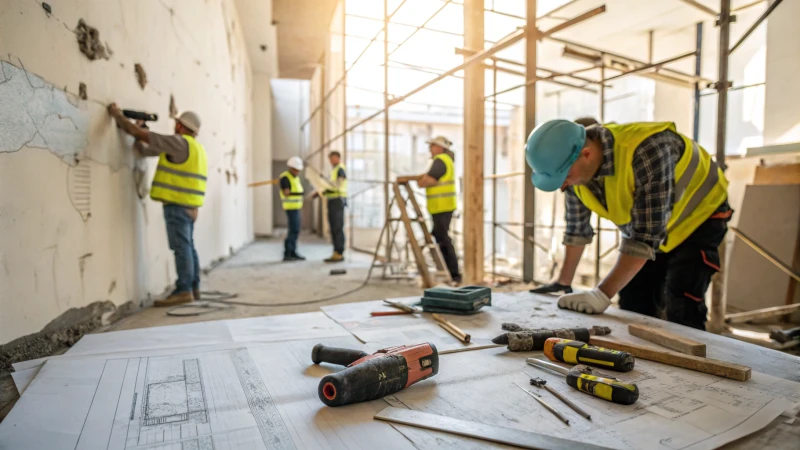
<point>663,191</point>
<point>180,184</point>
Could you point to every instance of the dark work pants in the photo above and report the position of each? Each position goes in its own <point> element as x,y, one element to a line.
<point>180,235</point>
<point>673,287</point>
<point>441,228</point>
<point>336,223</point>
<point>290,244</point>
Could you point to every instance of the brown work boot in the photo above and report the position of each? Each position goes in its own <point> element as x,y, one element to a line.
<point>177,298</point>
<point>196,294</point>
<point>337,257</point>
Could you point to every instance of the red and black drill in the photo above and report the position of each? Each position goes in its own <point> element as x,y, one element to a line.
<point>368,377</point>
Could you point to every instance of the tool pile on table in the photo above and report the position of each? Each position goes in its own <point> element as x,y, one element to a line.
<point>388,371</point>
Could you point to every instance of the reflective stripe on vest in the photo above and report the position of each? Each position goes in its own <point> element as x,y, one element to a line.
<point>342,191</point>
<point>700,186</point>
<point>294,201</point>
<point>442,195</point>
<point>182,184</point>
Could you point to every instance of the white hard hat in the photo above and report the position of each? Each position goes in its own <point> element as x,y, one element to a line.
<point>295,163</point>
<point>190,120</point>
<point>441,141</point>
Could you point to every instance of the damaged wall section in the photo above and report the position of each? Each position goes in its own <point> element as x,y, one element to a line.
<point>80,238</point>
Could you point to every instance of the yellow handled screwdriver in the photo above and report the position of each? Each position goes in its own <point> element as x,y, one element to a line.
<point>584,379</point>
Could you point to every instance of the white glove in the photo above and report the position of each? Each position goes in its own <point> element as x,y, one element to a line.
<point>589,302</point>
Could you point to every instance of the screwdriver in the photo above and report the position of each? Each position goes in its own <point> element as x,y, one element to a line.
<point>577,352</point>
<point>584,379</point>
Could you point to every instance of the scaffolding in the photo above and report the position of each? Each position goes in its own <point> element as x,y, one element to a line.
<point>480,59</point>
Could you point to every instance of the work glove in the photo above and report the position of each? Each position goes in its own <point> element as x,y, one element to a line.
<point>589,302</point>
<point>552,288</point>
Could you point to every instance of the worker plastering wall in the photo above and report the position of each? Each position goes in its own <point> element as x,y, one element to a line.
<point>76,225</point>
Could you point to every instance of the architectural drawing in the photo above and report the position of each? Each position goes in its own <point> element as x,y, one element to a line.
<point>205,401</point>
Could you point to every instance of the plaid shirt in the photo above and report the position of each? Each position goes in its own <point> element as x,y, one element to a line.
<point>653,163</point>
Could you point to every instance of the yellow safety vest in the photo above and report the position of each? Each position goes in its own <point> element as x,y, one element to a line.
<point>442,196</point>
<point>342,192</point>
<point>294,201</point>
<point>700,185</point>
<point>182,184</point>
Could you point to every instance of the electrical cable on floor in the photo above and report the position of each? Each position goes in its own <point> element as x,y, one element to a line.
<point>218,301</point>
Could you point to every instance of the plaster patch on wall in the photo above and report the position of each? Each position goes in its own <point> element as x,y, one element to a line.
<point>37,115</point>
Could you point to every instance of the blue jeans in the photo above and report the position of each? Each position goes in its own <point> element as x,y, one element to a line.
<point>290,244</point>
<point>180,230</point>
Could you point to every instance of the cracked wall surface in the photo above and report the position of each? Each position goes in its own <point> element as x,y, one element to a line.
<point>61,249</point>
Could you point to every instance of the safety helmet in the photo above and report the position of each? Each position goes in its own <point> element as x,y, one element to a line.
<point>551,150</point>
<point>441,141</point>
<point>190,120</point>
<point>295,163</point>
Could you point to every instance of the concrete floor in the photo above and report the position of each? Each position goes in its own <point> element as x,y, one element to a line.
<point>258,275</point>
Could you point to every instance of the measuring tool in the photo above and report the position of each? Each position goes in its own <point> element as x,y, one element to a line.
<point>538,398</point>
<point>584,379</point>
<point>577,352</point>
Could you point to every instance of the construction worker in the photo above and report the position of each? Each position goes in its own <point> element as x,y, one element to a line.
<point>180,184</point>
<point>291,191</point>
<point>440,187</point>
<point>337,200</point>
<point>663,191</point>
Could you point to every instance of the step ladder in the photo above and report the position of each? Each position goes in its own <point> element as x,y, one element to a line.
<point>430,274</point>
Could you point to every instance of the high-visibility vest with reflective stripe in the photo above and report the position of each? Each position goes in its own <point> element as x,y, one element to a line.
<point>442,196</point>
<point>700,185</point>
<point>182,184</point>
<point>342,191</point>
<point>292,202</point>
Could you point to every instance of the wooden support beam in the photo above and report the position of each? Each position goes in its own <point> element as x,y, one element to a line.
<point>529,193</point>
<point>712,366</point>
<point>765,313</point>
<point>474,110</point>
<point>667,339</point>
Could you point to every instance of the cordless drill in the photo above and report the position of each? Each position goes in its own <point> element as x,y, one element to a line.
<point>368,377</point>
<point>140,115</point>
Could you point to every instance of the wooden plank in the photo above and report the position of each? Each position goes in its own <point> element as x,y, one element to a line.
<point>779,174</point>
<point>667,339</point>
<point>711,366</point>
<point>486,432</point>
<point>775,311</point>
<point>473,151</point>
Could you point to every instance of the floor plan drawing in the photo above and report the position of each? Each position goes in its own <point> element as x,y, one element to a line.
<point>208,401</point>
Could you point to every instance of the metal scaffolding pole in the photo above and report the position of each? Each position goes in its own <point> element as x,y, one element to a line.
<point>716,322</point>
<point>386,128</point>
<point>529,196</point>
<point>698,60</point>
<point>322,119</point>
<point>494,171</point>
<point>599,233</point>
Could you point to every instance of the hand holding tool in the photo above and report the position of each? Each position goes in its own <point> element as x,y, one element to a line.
<point>541,383</point>
<point>552,288</point>
<point>539,399</point>
<point>527,340</point>
<point>368,377</point>
<point>588,302</point>
<point>584,379</point>
<point>577,352</point>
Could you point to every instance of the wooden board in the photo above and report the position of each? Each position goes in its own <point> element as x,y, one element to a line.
<point>665,338</point>
<point>705,365</point>
<point>491,433</point>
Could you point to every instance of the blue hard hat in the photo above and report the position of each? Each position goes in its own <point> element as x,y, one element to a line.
<point>551,150</point>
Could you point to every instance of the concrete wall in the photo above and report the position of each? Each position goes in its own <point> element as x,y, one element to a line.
<point>262,154</point>
<point>76,226</point>
<point>782,114</point>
